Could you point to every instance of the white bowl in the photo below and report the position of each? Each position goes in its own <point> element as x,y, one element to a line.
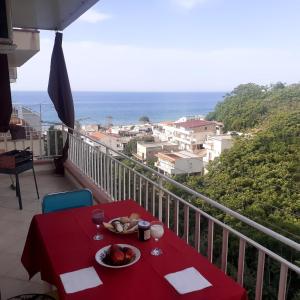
<point>100,254</point>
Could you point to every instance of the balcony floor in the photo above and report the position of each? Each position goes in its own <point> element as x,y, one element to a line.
<point>14,224</point>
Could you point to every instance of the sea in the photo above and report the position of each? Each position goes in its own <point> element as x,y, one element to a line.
<point>123,108</point>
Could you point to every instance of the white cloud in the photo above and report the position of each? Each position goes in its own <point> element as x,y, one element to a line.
<point>189,4</point>
<point>105,67</point>
<point>92,16</point>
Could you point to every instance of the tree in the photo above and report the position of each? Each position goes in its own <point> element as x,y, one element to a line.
<point>130,147</point>
<point>144,119</point>
<point>259,177</point>
<point>248,105</point>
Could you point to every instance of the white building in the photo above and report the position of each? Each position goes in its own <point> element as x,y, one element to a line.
<point>148,150</point>
<point>189,135</point>
<point>114,141</point>
<point>190,118</point>
<point>181,162</point>
<point>215,145</point>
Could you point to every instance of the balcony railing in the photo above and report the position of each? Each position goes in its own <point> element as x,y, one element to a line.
<point>126,178</point>
<point>235,253</point>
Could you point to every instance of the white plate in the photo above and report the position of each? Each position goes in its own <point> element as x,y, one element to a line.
<point>103,251</point>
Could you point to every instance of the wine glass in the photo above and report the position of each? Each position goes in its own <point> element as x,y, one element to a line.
<point>98,218</point>
<point>156,231</point>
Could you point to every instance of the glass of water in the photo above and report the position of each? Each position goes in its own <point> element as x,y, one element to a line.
<point>156,231</point>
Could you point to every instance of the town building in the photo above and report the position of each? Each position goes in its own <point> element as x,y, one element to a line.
<point>148,150</point>
<point>114,141</point>
<point>189,135</point>
<point>180,162</point>
<point>215,145</point>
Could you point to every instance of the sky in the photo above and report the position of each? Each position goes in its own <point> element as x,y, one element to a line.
<point>174,45</point>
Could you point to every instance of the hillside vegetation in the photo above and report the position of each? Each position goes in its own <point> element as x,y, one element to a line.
<point>248,105</point>
<point>259,176</point>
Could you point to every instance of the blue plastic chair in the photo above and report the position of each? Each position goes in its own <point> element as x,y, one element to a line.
<point>66,200</point>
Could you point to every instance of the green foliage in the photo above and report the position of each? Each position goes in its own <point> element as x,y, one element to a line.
<point>248,105</point>
<point>259,176</point>
<point>130,147</point>
<point>144,119</point>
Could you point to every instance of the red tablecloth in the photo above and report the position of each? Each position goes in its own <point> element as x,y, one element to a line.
<point>62,242</point>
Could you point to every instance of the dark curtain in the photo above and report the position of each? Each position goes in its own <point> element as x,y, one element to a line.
<point>5,95</point>
<point>59,90</point>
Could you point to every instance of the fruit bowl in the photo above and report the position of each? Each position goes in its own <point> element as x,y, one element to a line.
<point>117,256</point>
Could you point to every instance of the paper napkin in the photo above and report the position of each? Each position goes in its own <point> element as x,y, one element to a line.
<point>80,280</point>
<point>187,280</point>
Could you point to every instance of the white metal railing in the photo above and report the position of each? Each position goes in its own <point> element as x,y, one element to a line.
<point>44,141</point>
<point>121,177</point>
<point>44,144</point>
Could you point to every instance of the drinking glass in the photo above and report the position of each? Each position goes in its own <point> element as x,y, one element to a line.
<point>156,231</point>
<point>98,218</point>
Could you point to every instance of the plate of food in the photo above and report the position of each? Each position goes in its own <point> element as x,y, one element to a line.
<point>123,225</point>
<point>117,256</point>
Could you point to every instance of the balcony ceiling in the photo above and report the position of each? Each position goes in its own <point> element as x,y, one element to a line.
<point>28,44</point>
<point>47,14</point>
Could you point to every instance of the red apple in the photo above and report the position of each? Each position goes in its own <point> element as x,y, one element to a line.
<point>129,254</point>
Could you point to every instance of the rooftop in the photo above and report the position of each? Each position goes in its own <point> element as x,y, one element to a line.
<point>194,123</point>
<point>220,137</point>
<point>101,135</point>
<point>173,156</point>
<point>157,144</point>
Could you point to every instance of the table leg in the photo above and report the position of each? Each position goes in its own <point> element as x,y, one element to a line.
<point>36,187</point>
<point>18,192</point>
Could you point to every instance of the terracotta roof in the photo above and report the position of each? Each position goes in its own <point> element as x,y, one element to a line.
<point>173,156</point>
<point>97,135</point>
<point>195,123</point>
<point>166,123</point>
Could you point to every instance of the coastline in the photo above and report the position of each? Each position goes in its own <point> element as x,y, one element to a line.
<point>124,108</point>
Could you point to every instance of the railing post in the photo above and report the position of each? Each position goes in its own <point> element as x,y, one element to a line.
<point>160,198</point>
<point>197,231</point>
<point>140,191</point>
<point>147,195</point>
<point>241,262</point>
<point>129,184</point>
<point>101,170</point>
<point>224,250</point>
<point>124,183</point>
<point>120,182</point>
<point>134,186</point>
<point>153,200</point>
<point>210,240</point>
<point>282,282</point>
<point>260,275</point>
<point>48,143</point>
<point>167,212</point>
<point>116,180</point>
<point>176,215</point>
<point>186,220</point>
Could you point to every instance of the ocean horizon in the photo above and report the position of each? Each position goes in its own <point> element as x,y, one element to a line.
<point>123,107</point>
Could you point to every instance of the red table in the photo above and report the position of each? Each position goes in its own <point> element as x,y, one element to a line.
<point>62,242</point>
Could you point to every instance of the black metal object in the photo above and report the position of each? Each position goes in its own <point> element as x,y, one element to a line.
<point>19,162</point>
<point>32,297</point>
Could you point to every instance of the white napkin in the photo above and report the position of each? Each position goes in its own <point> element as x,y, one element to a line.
<point>80,280</point>
<point>187,280</point>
